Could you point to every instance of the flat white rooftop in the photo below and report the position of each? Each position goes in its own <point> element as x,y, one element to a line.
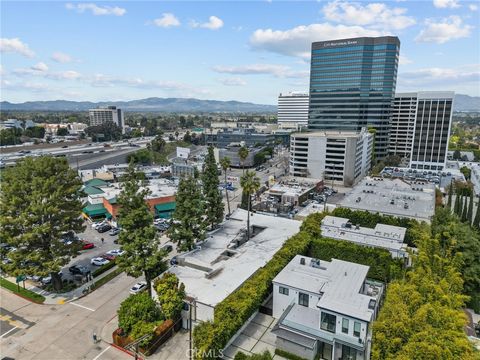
<point>158,188</point>
<point>383,236</point>
<point>230,266</point>
<point>389,196</point>
<point>340,284</point>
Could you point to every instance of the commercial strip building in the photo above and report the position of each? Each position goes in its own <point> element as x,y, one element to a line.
<point>383,236</point>
<point>246,136</point>
<point>226,259</point>
<point>325,309</point>
<point>396,197</point>
<point>102,198</point>
<point>343,157</point>
<point>294,191</point>
<point>420,130</point>
<point>352,86</point>
<point>107,114</point>
<point>292,110</point>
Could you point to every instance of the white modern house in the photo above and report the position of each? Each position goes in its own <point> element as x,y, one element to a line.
<point>383,236</point>
<point>325,309</point>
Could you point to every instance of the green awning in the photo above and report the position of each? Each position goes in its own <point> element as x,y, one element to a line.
<point>95,210</point>
<point>95,182</point>
<point>92,190</point>
<point>170,206</point>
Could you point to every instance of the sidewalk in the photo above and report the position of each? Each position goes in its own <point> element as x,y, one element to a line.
<point>54,298</point>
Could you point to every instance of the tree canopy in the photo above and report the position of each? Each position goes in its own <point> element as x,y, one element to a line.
<point>212,196</point>
<point>39,201</point>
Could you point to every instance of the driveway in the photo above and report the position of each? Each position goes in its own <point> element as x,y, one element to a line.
<point>255,338</point>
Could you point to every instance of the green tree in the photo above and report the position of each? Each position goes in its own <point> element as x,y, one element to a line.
<point>62,131</point>
<point>107,131</point>
<point>171,294</point>
<point>10,136</point>
<point>37,132</point>
<point>250,184</point>
<point>450,194</point>
<point>212,196</point>
<point>225,163</point>
<point>466,172</point>
<point>456,155</point>
<point>187,137</point>
<point>259,158</point>
<point>137,308</point>
<point>157,144</point>
<point>476,220</point>
<point>458,205</point>
<point>141,157</point>
<point>188,225</point>
<point>137,238</point>
<point>243,154</point>
<point>39,201</point>
<point>464,209</point>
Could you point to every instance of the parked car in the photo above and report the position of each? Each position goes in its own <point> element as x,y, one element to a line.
<point>173,261</point>
<point>168,248</point>
<point>115,252</point>
<point>99,261</point>
<point>95,225</point>
<point>108,257</point>
<point>114,231</point>
<point>104,228</point>
<point>87,245</point>
<point>79,270</point>
<point>138,287</point>
<point>48,279</point>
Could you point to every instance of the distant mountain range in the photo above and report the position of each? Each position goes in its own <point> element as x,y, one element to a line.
<point>461,103</point>
<point>150,104</point>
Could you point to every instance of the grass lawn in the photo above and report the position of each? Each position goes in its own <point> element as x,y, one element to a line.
<point>22,292</point>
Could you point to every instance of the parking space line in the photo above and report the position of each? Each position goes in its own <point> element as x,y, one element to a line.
<point>8,332</point>
<point>83,307</point>
<point>96,357</point>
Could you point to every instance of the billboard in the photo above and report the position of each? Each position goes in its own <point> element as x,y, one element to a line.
<point>183,152</point>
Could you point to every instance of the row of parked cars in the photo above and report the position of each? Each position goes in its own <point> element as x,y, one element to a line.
<point>97,261</point>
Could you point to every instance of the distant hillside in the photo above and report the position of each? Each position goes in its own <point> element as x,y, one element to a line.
<point>466,103</point>
<point>462,103</point>
<point>150,104</point>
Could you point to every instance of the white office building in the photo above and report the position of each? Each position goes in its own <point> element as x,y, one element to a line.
<point>325,309</point>
<point>383,236</point>
<point>341,157</point>
<point>293,110</point>
<point>420,128</point>
<point>111,114</point>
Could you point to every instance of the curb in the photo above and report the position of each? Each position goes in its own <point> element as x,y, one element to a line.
<point>125,350</point>
<point>26,298</point>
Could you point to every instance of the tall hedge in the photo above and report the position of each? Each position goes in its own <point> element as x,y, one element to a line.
<point>368,219</point>
<point>382,266</point>
<point>211,336</point>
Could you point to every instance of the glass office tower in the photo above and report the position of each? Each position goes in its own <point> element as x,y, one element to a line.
<point>352,85</point>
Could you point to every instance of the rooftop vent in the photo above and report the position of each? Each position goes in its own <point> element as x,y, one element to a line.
<point>371,304</point>
<point>302,261</point>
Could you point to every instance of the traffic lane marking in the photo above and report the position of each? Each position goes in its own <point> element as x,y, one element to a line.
<point>96,357</point>
<point>83,307</point>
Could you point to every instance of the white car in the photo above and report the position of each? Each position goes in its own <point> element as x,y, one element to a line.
<point>97,224</point>
<point>98,261</point>
<point>115,252</point>
<point>138,287</point>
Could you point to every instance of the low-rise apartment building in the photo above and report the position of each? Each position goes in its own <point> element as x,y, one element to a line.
<point>325,309</point>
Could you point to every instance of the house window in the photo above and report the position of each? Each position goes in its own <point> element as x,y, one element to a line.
<point>356,329</point>
<point>328,322</point>
<point>348,353</point>
<point>283,290</point>
<point>303,299</point>
<point>345,326</point>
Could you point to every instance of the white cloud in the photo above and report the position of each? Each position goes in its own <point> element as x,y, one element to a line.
<point>403,60</point>
<point>15,45</point>
<point>233,81</point>
<point>64,75</point>
<point>298,41</point>
<point>214,23</point>
<point>375,15</point>
<point>61,57</point>
<point>442,4</point>
<point>280,71</point>
<point>96,10</point>
<point>167,20</point>
<point>41,66</point>
<point>436,76</point>
<point>446,29</point>
<point>473,7</point>
<point>2,70</point>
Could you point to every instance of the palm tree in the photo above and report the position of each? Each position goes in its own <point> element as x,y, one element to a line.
<point>250,184</point>
<point>225,163</point>
<point>243,154</point>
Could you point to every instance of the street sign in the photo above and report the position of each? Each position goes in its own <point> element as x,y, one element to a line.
<point>21,278</point>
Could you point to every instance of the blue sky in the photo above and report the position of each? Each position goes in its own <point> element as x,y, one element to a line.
<point>244,50</point>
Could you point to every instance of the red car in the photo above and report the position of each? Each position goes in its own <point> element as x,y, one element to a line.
<point>108,257</point>
<point>87,245</point>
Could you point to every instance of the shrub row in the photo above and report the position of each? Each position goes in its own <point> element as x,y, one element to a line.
<point>103,268</point>
<point>287,355</point>
<point>368,219</point>
<point>382,266</point>
<point>30,295</point>
<point>106,279</point>
<point>211,336</point>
